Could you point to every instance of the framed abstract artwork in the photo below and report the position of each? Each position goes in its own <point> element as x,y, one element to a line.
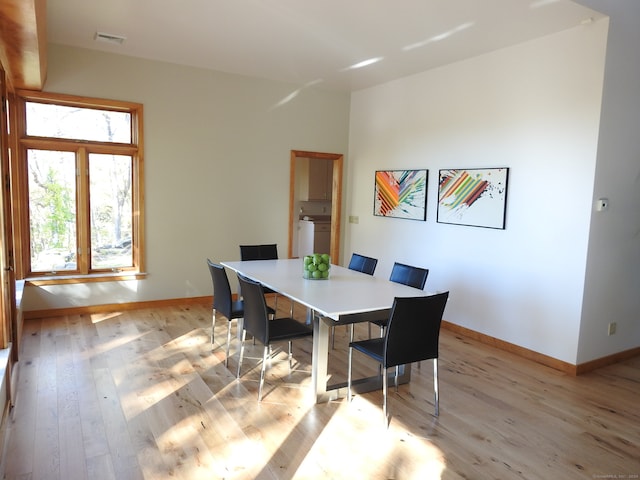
<point>474,196</point>
<point>401,194</point>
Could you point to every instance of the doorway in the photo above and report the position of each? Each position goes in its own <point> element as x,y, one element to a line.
<point>299,192</point>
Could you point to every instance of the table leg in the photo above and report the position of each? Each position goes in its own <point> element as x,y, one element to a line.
<point>320,360</point>
<point>322,390</point>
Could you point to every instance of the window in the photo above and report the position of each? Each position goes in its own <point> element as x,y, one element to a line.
<point>78,176</point>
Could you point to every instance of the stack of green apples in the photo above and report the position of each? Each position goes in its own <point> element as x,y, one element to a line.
<point>316,266</point>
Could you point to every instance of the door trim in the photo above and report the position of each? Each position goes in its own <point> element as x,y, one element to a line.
<point>336,198</point>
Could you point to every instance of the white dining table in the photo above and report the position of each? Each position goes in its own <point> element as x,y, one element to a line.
<point>346,297</point>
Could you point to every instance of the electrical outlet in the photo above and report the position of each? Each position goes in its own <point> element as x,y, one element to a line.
<point>354,219</point>
<point>612,328</point>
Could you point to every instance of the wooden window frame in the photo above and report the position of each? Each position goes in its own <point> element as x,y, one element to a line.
<point>82,148</point>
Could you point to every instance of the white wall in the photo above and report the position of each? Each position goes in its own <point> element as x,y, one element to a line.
<point>612,292</point>
<point>217,156</point>
<point>534,108</point>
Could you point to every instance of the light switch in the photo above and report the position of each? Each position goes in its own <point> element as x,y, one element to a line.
<point>353,219</point>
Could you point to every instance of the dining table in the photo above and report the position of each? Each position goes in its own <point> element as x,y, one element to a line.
<point>346,297</point>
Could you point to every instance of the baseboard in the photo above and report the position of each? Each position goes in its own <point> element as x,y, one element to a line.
<point>510,347</point>
<point>537,357</point>
<point>608,360</point>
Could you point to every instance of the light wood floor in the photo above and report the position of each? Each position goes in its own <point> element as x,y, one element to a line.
<point>140,394</point>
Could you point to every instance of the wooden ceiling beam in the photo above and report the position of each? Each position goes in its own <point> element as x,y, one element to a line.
<point>23,42</point>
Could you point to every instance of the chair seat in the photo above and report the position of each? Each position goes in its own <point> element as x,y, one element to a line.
<point>287,329</point>
<point>374,347</point>
<point>237,310</point>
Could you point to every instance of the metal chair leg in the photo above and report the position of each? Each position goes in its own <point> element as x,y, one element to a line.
<point>435,385</point>
<point>396,377</point>
<point>384,394</point>
<point>226,358</point>
<point>264,367</point>
<point>349,375</point>
<point>290,357</point>
<point>244,334</point>
<point>213,324</point>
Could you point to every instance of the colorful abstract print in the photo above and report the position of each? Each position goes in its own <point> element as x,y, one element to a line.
<point>458,188</point>
<point>473,197</point>
<point>401,193</point>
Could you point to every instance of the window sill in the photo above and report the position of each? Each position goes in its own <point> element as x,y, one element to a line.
<point>98,277</point>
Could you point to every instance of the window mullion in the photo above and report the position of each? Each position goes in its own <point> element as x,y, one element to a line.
<point>82,203</point>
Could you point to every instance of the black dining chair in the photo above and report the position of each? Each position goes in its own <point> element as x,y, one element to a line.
<point>363,264</point>
<point>223,302</point>
<point>267,251</point>
<point>412,335</point>
<point>259,252</point>
<point>415,277</point>
<point>256,322</point>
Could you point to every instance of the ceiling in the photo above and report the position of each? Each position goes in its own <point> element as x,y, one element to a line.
<point>310,42</point>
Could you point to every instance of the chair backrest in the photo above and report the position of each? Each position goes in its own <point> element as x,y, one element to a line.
<point>363,264</point>
<point>222,299</point>
<point>414,329</point>
<point>259,252</point>
<point>256,317</point>
<point>408,275</point>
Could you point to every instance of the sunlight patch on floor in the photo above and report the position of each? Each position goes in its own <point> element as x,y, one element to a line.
<point>101,317</point>
<point>368,449</point>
